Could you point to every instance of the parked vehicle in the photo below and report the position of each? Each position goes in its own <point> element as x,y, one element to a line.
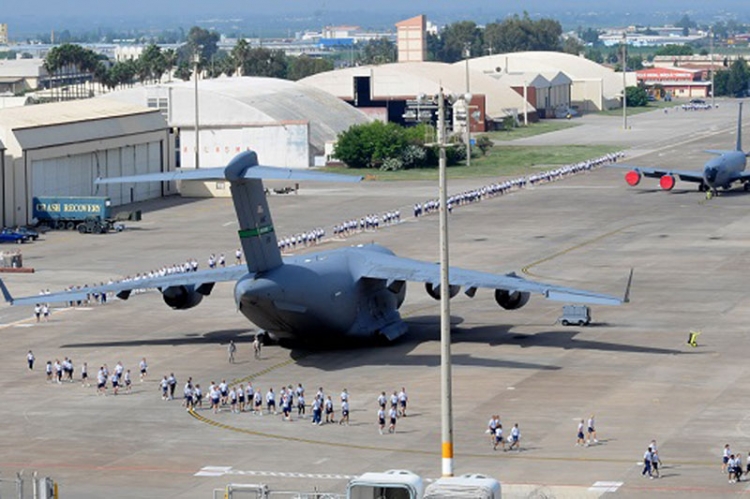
<point>29,233</point>
<point>575,314</point>
<point>87,215</point>
<point>8,236</point>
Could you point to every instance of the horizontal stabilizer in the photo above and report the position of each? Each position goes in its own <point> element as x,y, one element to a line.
<point>248,169</point>
<point>717,152</point>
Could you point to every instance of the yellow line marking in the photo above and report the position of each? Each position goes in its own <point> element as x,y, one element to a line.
<point>526,270</point>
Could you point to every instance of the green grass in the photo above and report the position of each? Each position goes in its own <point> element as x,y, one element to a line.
<point>531,130</point>
<point>652,106</point>
<point>500,161</point>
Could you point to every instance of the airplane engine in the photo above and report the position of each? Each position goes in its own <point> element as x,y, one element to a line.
<point>398,288</point>
<point>182,297</point>
<point>633,178</point>
<point>434,291</point>
<point>667,182</point>
<point>511,300</point>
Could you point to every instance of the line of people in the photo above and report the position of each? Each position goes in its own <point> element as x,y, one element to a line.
<point>398,402</point>
<point>370,221</point>
<point>498,438</point>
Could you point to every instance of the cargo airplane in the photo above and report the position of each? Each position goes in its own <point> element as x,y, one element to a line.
<point>722,171</point>
<point>346,292</point>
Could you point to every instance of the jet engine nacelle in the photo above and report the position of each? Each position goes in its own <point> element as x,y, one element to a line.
<point>434,291</point>
<point>183,297</point>
<point>511,300</point>
<point>633,178</point>
<point>667,182</point>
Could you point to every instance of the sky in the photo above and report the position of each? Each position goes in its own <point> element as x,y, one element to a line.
<point>44,15</point>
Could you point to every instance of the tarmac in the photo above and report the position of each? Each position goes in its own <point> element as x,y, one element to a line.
<point>632,368</point>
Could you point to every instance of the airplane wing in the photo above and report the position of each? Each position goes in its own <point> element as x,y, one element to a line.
<point>395,268</point>
<point>717,152</point>
<point>684,175</point>
<point>124,288</point>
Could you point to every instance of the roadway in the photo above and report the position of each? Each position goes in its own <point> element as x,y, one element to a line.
<point>632,368</point>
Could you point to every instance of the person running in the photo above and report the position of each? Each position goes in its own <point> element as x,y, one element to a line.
<point>144,368</point>
<point>172,381</point>
<point>271,401</point>
<point>215,396</point>
<point>85,375</point>
<point>382,400</point>
<point>258,402</point>
<point>328,405</point>
<point>381,421</point>
<point>393,415</point>
<point>592,431</point>
<point>647,463</point>
<point>128,382</point>
<point>580,440</point>
<point>725,458</point>
<point>402,399</point>
<point>101,382</point>
<point>515,438</point>
<point>731,467</point>
<point>655,464</point>
<point>344,413</point>
<point>48,370</point>
<point>394,401</point>
<point>499,437</point>
<point>30,360</point>
<point>231,350</point>
<point>164,388</point>
<point>257,347</point>
<point>241,398</point>
<point>198,397</point>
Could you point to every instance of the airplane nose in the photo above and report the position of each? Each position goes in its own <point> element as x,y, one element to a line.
<point>711,174</point>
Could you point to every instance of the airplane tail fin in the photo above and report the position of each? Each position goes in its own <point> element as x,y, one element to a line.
<point>245,176</point>
<point>739,130</point>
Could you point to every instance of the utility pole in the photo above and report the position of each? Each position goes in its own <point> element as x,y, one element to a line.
<point>713,88</point>
<point>468,108</point>
<point>197,60</point>
<point>624,81</point>
<point>446,393</point>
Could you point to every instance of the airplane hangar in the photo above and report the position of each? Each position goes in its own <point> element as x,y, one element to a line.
<point>286,123</point>
<point>59,149</point>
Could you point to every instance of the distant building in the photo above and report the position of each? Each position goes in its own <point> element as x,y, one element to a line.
<point>678,82</point>
<point>412,40</point>
<point>3,34</point>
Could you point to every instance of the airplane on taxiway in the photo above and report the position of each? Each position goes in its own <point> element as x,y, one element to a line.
<point>346,292</point>
<point>719,172</point>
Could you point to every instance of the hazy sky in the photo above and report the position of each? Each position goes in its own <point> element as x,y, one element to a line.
<point>91,8</point>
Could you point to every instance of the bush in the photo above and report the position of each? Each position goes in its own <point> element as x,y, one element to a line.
<point>484,144</point>
<point>392,165</point>
<point>368,145</point>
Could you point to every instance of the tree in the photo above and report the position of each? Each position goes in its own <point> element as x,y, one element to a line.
<point>151,64</point>
<point>484,143</point>
<point>368,145</point>
<point>304,66</point>
<point>739,76</point>
<point>239,54</point>
<point>635,62</point>
<point>517,34</point>
<point>673,49</point>
<point>686,23</point>
<point>378,51</point>
<point>595,55</point>
<point>636,97</point>
<point>199,41</point>
<point>572,45</point>
<point>589,36</point>
<point>265,62</point>
<point>459,40</point>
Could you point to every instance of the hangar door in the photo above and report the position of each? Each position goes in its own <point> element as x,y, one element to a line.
<point>74,175</point>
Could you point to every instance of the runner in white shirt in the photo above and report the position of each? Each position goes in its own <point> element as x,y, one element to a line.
<point>498,435</point>
<point>515,438</point>
<point>579,439</point>
<point>392,414</point>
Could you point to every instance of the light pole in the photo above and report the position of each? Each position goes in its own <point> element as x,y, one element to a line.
<point>624,81</point>
<point>197,60</point>
<point>446,392</point>
<point>713,88</point>
<point>468,105</point>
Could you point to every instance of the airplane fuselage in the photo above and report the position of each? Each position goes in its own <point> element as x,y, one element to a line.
<point>319,296</point>
<point>722,171</point>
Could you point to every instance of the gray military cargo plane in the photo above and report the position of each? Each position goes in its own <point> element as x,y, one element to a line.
<point>346,292</point>
<point>719,172</point>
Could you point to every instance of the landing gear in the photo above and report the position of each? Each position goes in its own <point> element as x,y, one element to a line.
<point>702,187</point>
<point>746,186</point>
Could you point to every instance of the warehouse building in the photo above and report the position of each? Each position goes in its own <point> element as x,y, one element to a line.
<point>593,87</point>
<point>59,149</point>
<point>384,92</point>
<point>286,123</point>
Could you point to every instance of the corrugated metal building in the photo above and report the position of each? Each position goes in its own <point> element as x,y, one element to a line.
<point>61,148</point>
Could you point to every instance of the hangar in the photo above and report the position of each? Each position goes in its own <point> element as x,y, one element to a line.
<point>286,123</point>
<point>593,87</point>
<point>383,91</point>
<point>59,149</point>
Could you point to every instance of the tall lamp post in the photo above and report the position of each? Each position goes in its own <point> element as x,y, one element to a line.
<point>446,393</point>
<point>197,60</point>
<point>467,52</point>
<point>624,81</point>
<point>713,87</point>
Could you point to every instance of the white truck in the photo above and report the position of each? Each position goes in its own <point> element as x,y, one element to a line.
<point>575,315</point>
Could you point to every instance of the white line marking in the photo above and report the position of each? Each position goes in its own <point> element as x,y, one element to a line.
<point>228,223</point>
<point>604,487</point>
<point>214,471</point>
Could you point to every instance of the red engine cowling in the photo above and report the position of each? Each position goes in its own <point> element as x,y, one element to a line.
<point>633,178</point>
<point>667,182</point>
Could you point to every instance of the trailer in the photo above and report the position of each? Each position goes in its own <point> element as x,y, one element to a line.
<point>393,484</point>
<point>88,215</point>
<point>471,486</point>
